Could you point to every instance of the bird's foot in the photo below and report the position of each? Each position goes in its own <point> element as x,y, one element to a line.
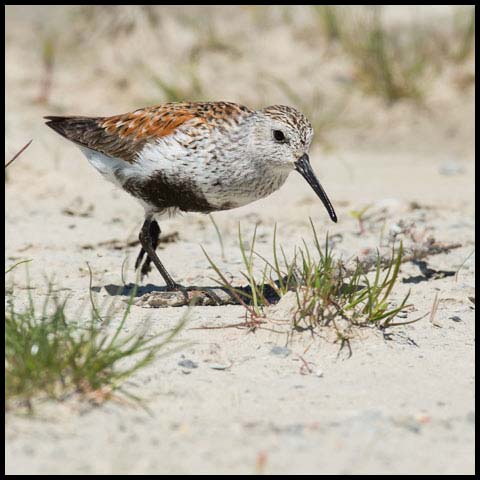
<point>176,287</point>
<point>146,267</point>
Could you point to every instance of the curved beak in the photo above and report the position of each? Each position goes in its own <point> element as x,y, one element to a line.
<point>302,166</point>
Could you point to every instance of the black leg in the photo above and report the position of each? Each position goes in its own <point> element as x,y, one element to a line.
<point>154,237</point>
<point>139,259</point>
<point>149,243</point>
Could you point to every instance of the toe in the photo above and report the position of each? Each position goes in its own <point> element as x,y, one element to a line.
<point>146,267</point>
<point>139,259</point>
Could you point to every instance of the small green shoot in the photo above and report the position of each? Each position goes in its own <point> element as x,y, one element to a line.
<point>360,216</point>
<point>219,235</point>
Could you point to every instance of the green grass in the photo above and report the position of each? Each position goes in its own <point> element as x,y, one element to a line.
<point>52,355</point>
<point>15,265</point>
<point>219,235</point>
<point>326,290</point>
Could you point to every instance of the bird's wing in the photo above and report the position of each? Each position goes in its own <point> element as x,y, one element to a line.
<point>123,136</point>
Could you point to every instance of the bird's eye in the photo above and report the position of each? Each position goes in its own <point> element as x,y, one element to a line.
<point>279,136</point>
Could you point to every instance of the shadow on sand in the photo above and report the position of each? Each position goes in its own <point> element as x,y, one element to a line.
<point>154,295</point>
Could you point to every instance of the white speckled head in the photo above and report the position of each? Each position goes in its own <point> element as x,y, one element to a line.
<point>280,136</point>
<point>279,142</point>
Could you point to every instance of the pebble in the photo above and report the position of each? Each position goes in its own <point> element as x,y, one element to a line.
<point>409,423</point>
<point>451,168</point>
<point>187,364</point>
<point>218,366</point>
<point>395,229</point>
<point>280,351</point>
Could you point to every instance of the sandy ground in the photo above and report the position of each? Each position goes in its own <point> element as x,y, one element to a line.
<point>402,404</point>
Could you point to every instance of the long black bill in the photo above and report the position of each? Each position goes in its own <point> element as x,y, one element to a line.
<point>305,169</point>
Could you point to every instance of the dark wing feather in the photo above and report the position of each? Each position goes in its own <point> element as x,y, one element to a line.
<point>89,132</point>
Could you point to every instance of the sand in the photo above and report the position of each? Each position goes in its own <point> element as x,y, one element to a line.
<point>401,404</point>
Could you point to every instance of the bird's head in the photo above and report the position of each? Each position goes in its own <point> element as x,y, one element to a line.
<point>280,138</point>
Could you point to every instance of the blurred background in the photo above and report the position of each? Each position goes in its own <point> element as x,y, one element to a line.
<point>394,77</point>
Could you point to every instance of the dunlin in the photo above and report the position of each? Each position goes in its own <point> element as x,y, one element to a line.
<point>194,157</point>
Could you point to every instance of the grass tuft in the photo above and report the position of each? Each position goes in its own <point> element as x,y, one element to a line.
<point>51,356</point>
<point>326,291</point>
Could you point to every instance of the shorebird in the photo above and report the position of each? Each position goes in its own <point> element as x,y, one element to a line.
<point>194,157</point>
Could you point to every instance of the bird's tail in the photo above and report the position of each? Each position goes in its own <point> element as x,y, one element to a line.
<point>73,128</point>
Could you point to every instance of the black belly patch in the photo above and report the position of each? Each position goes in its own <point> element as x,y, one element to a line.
<point>164,193</point>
